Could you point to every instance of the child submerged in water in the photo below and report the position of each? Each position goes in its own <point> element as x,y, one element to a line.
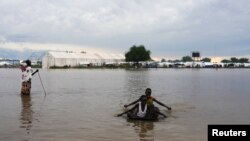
<point>150,100</point>
<point>140,110</point>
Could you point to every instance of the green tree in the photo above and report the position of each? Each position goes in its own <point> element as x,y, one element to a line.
<point>206,59</point>
<point>137,53</point>
<point>225,61</point>
<point>243,60</point>
<point>175,61</point>
<point>187,59</point>
<point>163,60</point>
<point>234,60</point>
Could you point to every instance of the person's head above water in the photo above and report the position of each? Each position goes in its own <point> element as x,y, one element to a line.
<point>28,62</point>
<point>23,66</point>
<point>143,99</point>
<point>148,92</point>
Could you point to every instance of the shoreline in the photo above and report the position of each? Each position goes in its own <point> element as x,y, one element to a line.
<point>129,68</point>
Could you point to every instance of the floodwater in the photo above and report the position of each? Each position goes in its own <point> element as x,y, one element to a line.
<point>81,105</point>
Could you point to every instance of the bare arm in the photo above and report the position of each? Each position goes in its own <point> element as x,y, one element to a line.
<point>128,111</point>
<point>161,114</point>
<point>132,103</point>
<point>35,72</point>
<point>169,108</point>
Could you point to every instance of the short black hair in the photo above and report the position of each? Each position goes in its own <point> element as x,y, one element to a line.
<point>148,89</point>
<point>28,62</point>
<point>143,98</point>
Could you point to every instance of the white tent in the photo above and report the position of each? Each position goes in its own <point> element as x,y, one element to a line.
<point>72,59</point>
<point>4,63</point>
<point>208,64</point>
<point>164,64</point>
<point>247,65</point>
<point>189,64</point>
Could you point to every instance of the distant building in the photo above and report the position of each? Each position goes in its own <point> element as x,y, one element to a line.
<point>216,59</point>
<point>4,62</point>
<point>75,59</point>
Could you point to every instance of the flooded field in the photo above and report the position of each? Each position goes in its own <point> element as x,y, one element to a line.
<point>81,105</point>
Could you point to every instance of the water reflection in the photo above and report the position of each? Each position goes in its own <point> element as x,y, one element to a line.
<point>144,129</point>
<point>136,83</point>
<point>26,116</point>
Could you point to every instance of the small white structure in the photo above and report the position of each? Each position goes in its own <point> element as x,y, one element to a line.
<point>219,65</point>
<point>165,64</point>
<point>179,65</point>
<point>208,65</point>
<point>73,59</point>
<point>188,64</point>
<point>247,65</point>
<point>4,63</point>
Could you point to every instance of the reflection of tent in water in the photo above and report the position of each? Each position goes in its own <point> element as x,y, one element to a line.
<point>26,113</point>
<point>144,129</point>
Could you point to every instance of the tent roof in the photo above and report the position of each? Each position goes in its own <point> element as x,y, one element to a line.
<point>78,55</point>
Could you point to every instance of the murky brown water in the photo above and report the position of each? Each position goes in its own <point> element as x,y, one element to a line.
<point>80,104</point>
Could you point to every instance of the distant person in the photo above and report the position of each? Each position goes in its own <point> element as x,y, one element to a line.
<point>150,100</point>
<point>27,74</point>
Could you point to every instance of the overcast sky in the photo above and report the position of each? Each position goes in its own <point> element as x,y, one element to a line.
<point>169,28</point>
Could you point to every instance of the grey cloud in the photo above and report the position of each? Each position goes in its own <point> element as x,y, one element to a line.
<point>166,27</point>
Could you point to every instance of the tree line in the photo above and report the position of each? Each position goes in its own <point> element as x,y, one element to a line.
<point>206,59</point>
<point>140,53</point>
